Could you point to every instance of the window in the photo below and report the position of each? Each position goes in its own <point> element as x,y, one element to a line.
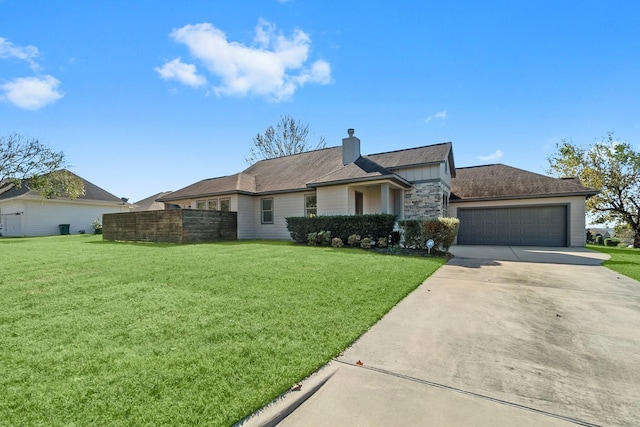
<point>267,211</point>
<point>310,205</point>
<point>201,204</point>
<point>212,204</point>
<point>225,205</point>
<point>445,204</point>
<point>359,203</point>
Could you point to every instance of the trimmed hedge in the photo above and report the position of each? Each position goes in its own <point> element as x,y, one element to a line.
<point>341,226</point>
<point>611,242</point>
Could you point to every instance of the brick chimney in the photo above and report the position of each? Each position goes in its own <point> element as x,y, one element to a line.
<point>350,148</point>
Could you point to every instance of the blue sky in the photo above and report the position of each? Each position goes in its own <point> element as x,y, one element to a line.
<point>148,96</point>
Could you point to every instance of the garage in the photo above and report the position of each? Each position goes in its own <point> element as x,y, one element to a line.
<point>514,226</point>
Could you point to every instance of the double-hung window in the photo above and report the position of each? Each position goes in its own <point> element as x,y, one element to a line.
<point>310,205</point>
<point>266,214</point>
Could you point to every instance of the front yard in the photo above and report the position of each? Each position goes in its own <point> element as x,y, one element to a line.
<point>98,333</point>
<point>623,260</point>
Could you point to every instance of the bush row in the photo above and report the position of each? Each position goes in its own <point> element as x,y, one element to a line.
<point>341,226</point>
<point>442,231</point>
<point>376,230</point>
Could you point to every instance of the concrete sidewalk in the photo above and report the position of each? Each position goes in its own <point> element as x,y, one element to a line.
<point>498,336</point>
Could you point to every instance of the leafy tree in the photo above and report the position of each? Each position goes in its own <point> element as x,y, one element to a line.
<point>27,160</point>
<point>612,167</point>
<point>288,137</point>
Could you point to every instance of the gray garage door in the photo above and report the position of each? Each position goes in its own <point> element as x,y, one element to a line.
<point>522,226</point>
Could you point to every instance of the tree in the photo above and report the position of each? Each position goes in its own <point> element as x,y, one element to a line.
<point>288,137</point>
<point>27,160</point>
<point>612,167</point>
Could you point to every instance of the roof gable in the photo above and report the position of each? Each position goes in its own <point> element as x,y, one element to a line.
<point>418,156</point>
<point>499,181</point>
<point>91,192</point>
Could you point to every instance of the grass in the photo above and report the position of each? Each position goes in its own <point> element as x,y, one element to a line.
<point>623,260</point>
<point>99,333</point>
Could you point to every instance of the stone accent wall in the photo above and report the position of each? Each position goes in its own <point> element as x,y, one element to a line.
<point>423,200</point>
<point>171,226</point>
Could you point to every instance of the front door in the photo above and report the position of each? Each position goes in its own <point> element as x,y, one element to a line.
<point>359,203</point>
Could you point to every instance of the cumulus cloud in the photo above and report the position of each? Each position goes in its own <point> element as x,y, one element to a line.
<point>274,66</point>
<point>181,72</point>
<point>440,115</point>
<point>24,53</point>
<point>32,93</point>
<point>493,156</point>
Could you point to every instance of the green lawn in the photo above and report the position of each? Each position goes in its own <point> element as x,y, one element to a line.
<point>99,333</point>
<point>623,260</point>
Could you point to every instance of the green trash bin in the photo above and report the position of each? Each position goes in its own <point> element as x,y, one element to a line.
<point>64,229</point>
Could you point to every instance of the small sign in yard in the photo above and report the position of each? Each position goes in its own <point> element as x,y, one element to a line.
<point>430,244</point>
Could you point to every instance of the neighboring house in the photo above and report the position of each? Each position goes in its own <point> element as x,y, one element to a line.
<point>23,212</point>
<point>150,203</point>
<point>412,183</point>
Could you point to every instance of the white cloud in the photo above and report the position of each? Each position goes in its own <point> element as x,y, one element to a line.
<point>494,156</point>
<point>31,93</point>
<point>440,115</point>
<point>183,73</point>
<point>24,53</point>
<point>274,66</point>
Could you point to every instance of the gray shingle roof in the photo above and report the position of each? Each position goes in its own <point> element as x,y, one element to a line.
<point>91,192</point>
<point>503,182</point>
<point>319,167</point>
<point>429,154</point>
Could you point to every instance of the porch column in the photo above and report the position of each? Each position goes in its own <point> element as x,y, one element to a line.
<point>385,208</point>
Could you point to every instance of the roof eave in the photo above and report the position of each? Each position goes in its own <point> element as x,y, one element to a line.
<point>399,180</point>
<point>521,197</point>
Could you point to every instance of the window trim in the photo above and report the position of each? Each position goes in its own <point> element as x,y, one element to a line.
<point>263,210</point>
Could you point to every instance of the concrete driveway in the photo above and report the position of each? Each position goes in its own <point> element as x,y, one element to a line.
<point>497,336</point>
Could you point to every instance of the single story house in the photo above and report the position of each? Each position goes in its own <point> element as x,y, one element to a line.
<point>420,182</point>
<point>24,212</point>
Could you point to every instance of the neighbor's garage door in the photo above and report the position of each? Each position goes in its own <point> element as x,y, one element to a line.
<point>521,226</point>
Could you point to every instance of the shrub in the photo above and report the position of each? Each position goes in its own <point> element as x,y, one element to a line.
<point>321,238</point>
<point>342,226</point>
<point>412,233</point>
<point>337,242</point>
<point>365,243</point>
<point>611,242</point>
<point>324,238</point>
<point>312,239</point>
<point>353,240</point>
<point>382,242</point>
<point>442,231</point>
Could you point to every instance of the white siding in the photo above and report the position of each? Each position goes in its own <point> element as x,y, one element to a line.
<point>43,217</point>
<point>248,216</point>
<point>575,207</point>
<point>336,200</point>
<point>284,205</point>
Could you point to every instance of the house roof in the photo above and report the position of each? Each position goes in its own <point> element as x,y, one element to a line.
<point>499,181</point>
<point>363,169</point>
<point>91,192</point>
<point>418,156</point>
<point>150,204</point>
<point>300,171</point>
